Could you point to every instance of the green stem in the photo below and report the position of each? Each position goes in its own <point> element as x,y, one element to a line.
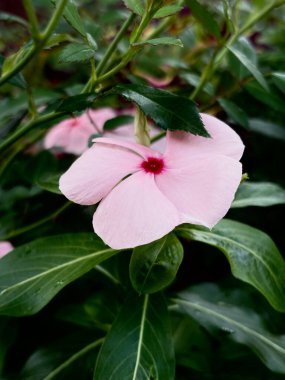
<point>114,43</point>
<point>213,64</point>
<point>37,47</point>
<point>73,358</point>
<point>31,226</point>
<point>34,26</point>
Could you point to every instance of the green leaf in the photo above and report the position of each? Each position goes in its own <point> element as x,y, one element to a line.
<point>76,103</point>
<point>236,68</point>
<point>56,39</point>
<point>139,344</point>
<point>136,6</point>
<point>160,41</point>
<point>49,182</point>
<point>194,80</point>
<point>91,42</point>
<point>272,100</point>
<point>118,121</point>
<point>205,18</point>
<point>5,66</point>
<point>259,194</point>
<point>72,17</point>
<point>167,10</point>
<point>154,266</point>
<point>167,110</point>
<point>76,53</point>
<point>253,256</point>
<point>267,128</point>
<point>206,304</point>
<point>238,115</point>
<point>248,63</point>
<point>31,275</point>
<point>279,80</point>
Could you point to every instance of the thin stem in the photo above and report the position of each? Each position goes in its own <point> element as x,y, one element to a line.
<point>32,226</point>
<point>34,26</point>
<point>37,47</point>
<point>73,358</point>
<point>114,43</point>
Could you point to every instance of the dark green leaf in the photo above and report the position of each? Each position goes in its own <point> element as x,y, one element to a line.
<point>206,304</point>
<point>234,112</point>
<point>17,80</point>
<point>139,344</point>
<point>154,266</point>
<point>248,64</point>
<point>135,6</point>
<point>168,10</point>
<point>259,194</point>
<point>236,67</point>
<point>253,256</point>
<point>194,80</point>
<point>72,17</point>
<point>272,99</point>
<point>206,18</point>
<point>76,103</point>
<point>267,128</point>
<point>279,81</point>
<point>117,122</point>
<point>34,273</point>
<point>167,110</point>
<point>75,53</point>
<point>160,41</point>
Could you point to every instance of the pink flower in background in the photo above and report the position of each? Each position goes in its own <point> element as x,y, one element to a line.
<point>72,135</point>
<point>145,194</point>
<point>5,247</point>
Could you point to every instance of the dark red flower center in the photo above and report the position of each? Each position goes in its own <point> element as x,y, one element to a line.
<point>153,165</point>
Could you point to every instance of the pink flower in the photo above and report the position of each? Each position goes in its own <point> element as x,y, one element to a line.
<point>145,194</point>
<point>5,247</point>
<point>72,135</point>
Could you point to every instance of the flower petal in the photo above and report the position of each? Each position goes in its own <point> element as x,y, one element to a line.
<point>57,136</point>
<point>134,213</point>
<point>224,140</point>
<point>202,192</point>
<point>98,117</point>
<point>5,247</point>
<point>96,172</point>
<point>138,149</point>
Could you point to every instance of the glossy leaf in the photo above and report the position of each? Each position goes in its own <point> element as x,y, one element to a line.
<point>160,41</point>
<point>279,80</point>
<point>167,110</point>
<point>259,194</point>
<point>136,6</point>
<point>248,64</point>
<point>117,122</point>
<point>236,113</point>
<point>75,53</point>
<point>267,128</point>
<point>139,344</point>
<point>253,256</point>
<point>34,273</point>
<point>205,17</point>
<point>168,10</point>
<point>154,266</point>
<point>206,304</point>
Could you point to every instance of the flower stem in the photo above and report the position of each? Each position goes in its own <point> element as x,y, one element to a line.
<point>42,39</point>
<point>34,26</point>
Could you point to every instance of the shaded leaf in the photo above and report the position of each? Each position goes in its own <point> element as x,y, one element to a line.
<point>135,6</point>
<point>31,275</point>
<point>18,79</point>
<point>267,128</point>
<point>238,115</point>
<point>160,41</point>
<point>259,194</point>
<point>72,17</point>
<point>248,64</point>
<point>49,182</point>
<point>205,17</point>
<point>76,102</point>
<point>167,10</point>
<point>279,80</point>
<point>167,110</point>
<point>139,344</point>
<point>194,80</point>
<point>154,266</point>
<point>206,304</point>
<point>253,256</point>
<point>272,100</point>
<point>76,53</point>
<point>118,121</point>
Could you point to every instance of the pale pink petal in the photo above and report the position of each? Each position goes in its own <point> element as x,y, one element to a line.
<point>5,247</point>
<point>140,150</point>
<point>58,135</point>
<point>203,191</point>
<point>224,140</point>
<point>124,132</point>
<point>99,117</point>
<point>134,213</point>
<point>78,139</point>
<point>96,172</point>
